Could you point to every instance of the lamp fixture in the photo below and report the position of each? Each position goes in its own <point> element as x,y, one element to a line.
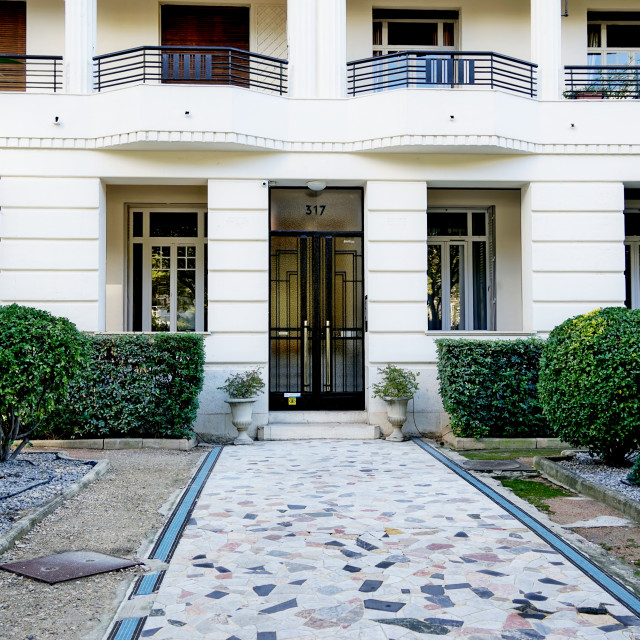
<point>56,120</point>
<point>316,185</point>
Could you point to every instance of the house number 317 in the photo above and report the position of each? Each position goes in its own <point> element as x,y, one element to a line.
<point>315,209</point>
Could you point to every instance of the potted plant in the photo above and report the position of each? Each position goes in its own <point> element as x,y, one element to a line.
<point>243,389</point>
<point>396,387</point>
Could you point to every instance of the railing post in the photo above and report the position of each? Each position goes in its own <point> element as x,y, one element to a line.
<point>229,72</point>
<point>144,66</point>
<point>491,61</point>
<point>55,75</point>
<point>99,74</point>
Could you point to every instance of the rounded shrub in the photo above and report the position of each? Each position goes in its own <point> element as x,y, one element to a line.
<point>39,355</point>
<point>589,382</point>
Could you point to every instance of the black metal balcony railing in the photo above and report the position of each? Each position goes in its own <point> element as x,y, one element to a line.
<point>600,83</point>
<point>439,69</point>
<point>25,73</point>
<point>191,65</point>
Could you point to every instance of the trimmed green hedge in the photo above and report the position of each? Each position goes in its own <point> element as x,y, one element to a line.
<point>489,387</point>
<point>589,382</point>
<point>136,385</point>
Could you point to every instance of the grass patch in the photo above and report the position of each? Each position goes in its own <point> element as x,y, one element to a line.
<point>508,454</point>
<point>535,491</point>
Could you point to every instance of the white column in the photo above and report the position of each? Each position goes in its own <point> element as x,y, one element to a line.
<point>79,45</point>
<point>332,49</point>
<point>572,249</point>
<point>301,34</point>
<point>546,47</point>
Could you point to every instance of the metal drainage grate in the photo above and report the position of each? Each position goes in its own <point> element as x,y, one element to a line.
<point>170,536</point>
<point>67,566</point>
<point>145,585</point>
<point>127,629</point>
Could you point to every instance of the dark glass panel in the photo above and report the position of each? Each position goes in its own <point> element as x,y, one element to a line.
<point>447,223</point>
<point>457,310</point>
<point>479,258</point>
<point>632,223</point>
<point>137,288</point>
<point>593,35</point>
<point>623,35</point>
<point>448,32</point>
<point>137,224</point>
<point>413,34</point>
<point>479,223</point>
<point>171,224</point>
<point>160,288</point>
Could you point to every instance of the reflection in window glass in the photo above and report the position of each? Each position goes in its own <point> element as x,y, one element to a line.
<point>160,288</point>
<point>434,286</point>
<point>186,288</point>
<point>456,286</point>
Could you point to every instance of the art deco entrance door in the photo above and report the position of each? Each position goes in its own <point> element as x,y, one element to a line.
<point>317,322</point>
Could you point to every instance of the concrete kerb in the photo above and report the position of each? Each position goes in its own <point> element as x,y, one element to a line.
<point>24,525</point>
<point>571,480</point>
<point>180,444</point>
<point>613,565</point>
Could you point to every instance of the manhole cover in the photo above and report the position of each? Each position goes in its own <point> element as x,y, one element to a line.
<point>67,566</point>
<point>495,465</point>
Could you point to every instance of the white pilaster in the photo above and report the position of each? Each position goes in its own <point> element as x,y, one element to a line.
<point>79,45</point>
<point>332,49</point>
<point>301,34</point>
<point>546,47</point>
<point>572,249</point>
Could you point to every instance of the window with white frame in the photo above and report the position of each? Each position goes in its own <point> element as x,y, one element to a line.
<point>167,268</point>
<point>413,30</point>
<point>613,38</point>
<point>460,269</point>
<point>632,258</point>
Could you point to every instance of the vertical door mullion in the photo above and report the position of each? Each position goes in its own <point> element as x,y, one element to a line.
<point>305,348</point>
<point>173,288</point>
<point>328,314</point>
<point>316,296</point>
<point>146,286</point>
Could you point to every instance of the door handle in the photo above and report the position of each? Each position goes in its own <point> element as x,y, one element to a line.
<point>305,355</point>
<point>328,362</point>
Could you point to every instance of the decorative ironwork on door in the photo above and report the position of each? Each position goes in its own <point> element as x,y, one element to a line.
<point>317,323</point>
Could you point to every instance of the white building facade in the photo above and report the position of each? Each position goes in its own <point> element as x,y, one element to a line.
<point>322,187</point>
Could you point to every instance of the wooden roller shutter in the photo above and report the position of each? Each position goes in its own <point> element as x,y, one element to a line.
<point>205,26</point>
<point>13,41</point>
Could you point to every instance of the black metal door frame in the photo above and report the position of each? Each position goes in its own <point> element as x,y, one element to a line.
<point>318,331</point>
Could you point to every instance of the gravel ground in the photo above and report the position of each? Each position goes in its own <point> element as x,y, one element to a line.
<point>115,515</point>
<point>592,469</point>
<point>31,479</point>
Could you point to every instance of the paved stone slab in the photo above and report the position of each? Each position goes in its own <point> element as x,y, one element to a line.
<point>366,540</point>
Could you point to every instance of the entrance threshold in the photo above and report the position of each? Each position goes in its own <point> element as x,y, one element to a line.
<point>318,425</point>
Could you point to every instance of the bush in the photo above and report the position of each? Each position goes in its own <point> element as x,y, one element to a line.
<point>395,382</point>
<point>39,356</point>
<point>489,387</point>
<point>589,381</point>
<point>245,384</point>
<point>135,386</point>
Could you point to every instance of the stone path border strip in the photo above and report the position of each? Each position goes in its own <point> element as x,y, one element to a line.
<point>571,480</point>
<point>170,535</point>
<point>603,579</point>
<point>127,629</point>
<point>24,525</point>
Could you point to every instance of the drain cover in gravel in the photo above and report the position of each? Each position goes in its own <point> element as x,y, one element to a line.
<point>495,465</point>
<point>67,566</point>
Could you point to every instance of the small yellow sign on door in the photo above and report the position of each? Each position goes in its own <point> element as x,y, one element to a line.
<point>292,400</point>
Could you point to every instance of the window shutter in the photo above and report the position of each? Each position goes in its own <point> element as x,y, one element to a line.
<point>13,40</point>
<point>205,26</point>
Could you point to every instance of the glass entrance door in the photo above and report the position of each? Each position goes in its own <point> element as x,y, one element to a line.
<point>317,320</point>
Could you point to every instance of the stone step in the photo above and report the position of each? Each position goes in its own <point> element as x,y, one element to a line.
<point>319,431</point>
<point>321,417</point>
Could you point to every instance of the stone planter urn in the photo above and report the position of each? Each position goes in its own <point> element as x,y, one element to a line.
<point>397,416</point>
<point>241,412</point>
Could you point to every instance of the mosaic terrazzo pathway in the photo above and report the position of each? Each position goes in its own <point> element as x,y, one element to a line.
<point>366,540</point>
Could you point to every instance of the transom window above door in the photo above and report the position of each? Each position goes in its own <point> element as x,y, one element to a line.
<point>167,269</point>
<point>613,38</point>
<point>413,30</point>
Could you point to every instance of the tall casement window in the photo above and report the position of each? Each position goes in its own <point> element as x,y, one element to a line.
<point>167,269</point>
<point>13,40</point>
<point>406,30</point>
<point>613,38</point>
<point>460,269</point>
<point>632,258</point>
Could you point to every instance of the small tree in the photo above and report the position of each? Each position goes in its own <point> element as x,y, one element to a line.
<point>589,381</point>
<point>39,355</point>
